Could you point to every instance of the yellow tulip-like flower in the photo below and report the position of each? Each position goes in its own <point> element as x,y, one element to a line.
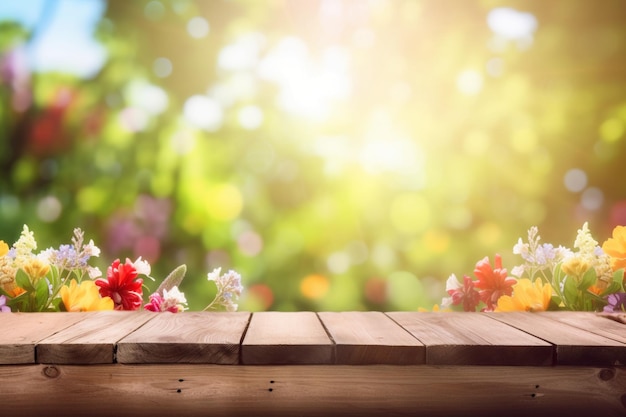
<point>4,248</point>
<point>575,266</point>
<point>36,269</point>
<point>615,247</point>
<point>84,297</point>
<point>527,296</point>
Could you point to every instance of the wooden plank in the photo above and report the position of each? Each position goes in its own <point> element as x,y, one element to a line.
<point>286,338</point>
<point>574,346</point>
<point>320,390</point>
<point>592,323</point>
<point>19,333</point>
<point>458,338</point>
<point>370,337</point>
<point>190,337</point>
<point>92,340</point>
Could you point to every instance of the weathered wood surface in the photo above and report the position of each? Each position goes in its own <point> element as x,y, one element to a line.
<point>349,363</point>
<point>473,339</point>
<point>356,338</point>
<point>286,338</point>
<point>314,390</point>
<point>192,337</point>
<point>576,343</point>
<point>371,338</point>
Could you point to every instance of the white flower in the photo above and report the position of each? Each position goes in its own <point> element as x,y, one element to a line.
<point>91,249</point>
<point>518,271</point>
<point>142,266</point>
<point>452,283</point>
<point>94,272</point>
<point>214,275</point>
<point>174,298</point>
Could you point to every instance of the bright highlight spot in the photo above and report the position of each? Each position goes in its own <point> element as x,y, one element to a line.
<point>203,112</point>
<point>162,67</point>
<point>243,54</point>
<point>612,130</point>
<point>307,87</point>
<point>511,24</point>
<point>469,82</point>
<point>592,199</point>
<point>575,180</point>
<point>250,117</point>
<point>338,262</point>
<point>148,97</point>
<point>198,27</point>
<point>49,209</point>
<point>314,286</point>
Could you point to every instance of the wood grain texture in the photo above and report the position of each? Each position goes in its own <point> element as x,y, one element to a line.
<point>19,333</point>
<point>574,346</point>
<point>286,338</point>
<point>92,340</point>
<point>191,337</point>
<point>363,338</point>
<point>473,339</point>
<point>320,390</point>
<point>591,323</point>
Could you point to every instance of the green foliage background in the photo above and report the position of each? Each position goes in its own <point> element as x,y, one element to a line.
<point>370,196</point>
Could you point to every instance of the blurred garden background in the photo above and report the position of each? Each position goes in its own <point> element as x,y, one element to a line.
<point>339,154</point>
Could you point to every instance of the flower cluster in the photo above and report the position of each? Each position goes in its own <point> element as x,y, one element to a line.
<point>588,278</point>
<point>64,280</point>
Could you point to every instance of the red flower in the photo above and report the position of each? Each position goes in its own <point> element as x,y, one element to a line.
<point>122,285</point>
<point>493,282</point>
<point>467,295</point>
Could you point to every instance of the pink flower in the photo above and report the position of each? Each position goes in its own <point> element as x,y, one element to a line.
<point>466,294</point>
<point>122,285</point>
<point>173,301</point>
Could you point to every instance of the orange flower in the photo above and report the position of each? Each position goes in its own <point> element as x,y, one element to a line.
<point>615,247</point>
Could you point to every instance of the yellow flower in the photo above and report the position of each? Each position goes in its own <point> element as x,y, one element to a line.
<point>84,297</point>
<point>36,269</point>
<point>615,247</point>
<point>575,266</point>
<point>435,309</point>
<point>527,296</point>
<point>4,248</point>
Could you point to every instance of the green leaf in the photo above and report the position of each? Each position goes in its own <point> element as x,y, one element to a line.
<point>23,281</point>
<point>557,280</point>
<point>570,292</point>
<point>173,279</point>
<point>42,292</point>
<point>618,277</point>
<point>589,278</point>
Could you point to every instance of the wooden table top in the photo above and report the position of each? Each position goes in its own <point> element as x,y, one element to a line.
<point>308,338</point>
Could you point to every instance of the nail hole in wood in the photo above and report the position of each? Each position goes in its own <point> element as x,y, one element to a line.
<point>181,380</point>
<point>607,374</point>
<point>179,390</point>
<point>271,389</point>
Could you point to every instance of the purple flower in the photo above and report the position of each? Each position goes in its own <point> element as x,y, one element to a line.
<point>616,303</point>
<point>4,308</point>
